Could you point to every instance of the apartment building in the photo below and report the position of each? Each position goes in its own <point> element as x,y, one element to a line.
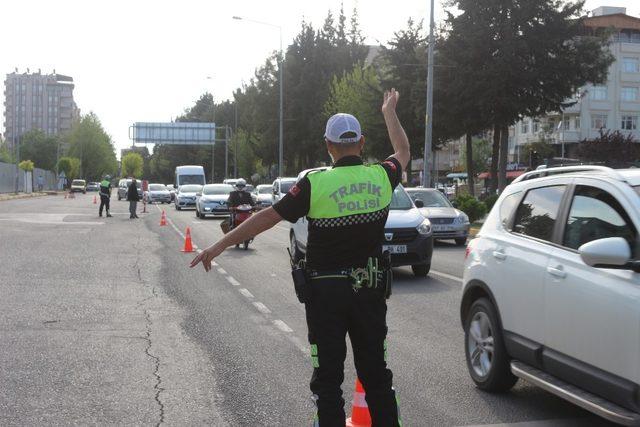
<point>38,101</point>
<point>613,105</point>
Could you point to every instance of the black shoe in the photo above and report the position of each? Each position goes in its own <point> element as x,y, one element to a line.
<point>100,215</point>
<point>108,215</point>
<point>136,216</point>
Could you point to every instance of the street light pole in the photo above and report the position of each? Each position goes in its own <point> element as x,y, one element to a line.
<point>426,174</point>
<point>281,74</point>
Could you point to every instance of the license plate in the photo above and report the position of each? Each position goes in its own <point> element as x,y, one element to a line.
<point>395,249</point>
<point>442,228</point>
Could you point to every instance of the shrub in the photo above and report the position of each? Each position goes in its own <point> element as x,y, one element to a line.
<point>471,206</point>
<point>489,201</point>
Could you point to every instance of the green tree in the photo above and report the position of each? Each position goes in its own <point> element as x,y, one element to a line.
<point>481,156</point>
<point>523,58</point>
<point>89,142</point>
<point>358,92</point>
<point>132,165</point>
<point>26,165</point>
<point>41,148</point>
<point>535,152</point>
<point>70,166</point>
<point>5,154</point>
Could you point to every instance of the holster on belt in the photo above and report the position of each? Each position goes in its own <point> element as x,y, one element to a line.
<point>301,283</point>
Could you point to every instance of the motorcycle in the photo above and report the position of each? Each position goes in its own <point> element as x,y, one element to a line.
<point>240,214</point>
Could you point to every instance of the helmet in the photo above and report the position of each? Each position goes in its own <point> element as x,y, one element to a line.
<point>240,184</point>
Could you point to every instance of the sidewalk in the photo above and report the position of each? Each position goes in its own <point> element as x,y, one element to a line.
<point>13,196</point>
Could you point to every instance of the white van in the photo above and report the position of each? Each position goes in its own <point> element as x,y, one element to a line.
<point>189,175</point>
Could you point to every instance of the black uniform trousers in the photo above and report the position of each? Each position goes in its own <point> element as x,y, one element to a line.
<point>104,203</point>
<point>334,310</point>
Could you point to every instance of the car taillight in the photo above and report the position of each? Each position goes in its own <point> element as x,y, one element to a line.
<point>467,252</point>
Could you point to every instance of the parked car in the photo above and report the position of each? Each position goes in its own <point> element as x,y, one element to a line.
<point>408,236</point>
<point>186,196</point>
<point>280,187</point>
<point>79,186</point>
<point>93,186</point>
<point>157,193</point>
<point>263,196</point>
<point>123,187</point>
<point>551,290</point>
<point>172,191</point>
<point>212,200</point>
<point>447,222</point>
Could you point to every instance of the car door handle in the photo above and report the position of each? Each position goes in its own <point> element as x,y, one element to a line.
<point>499,255</point>
<point>557,271</point>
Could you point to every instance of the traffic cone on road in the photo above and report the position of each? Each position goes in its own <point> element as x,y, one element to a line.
<point>95,200</point>
<point>163,219</point>
<point>188,246</point>
<point>360,416</point>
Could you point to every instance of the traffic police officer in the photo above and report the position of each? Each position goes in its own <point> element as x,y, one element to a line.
<point>105,195</point>
<point>347,207</point>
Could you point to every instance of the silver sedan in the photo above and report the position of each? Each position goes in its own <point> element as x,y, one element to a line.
<point>447,222</point>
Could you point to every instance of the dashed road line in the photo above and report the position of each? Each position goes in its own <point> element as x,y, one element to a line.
<point>233,281</point>
<point>447,276</point>
<point>261,307</point>
<point>282,326</point>
<point>246,293</point>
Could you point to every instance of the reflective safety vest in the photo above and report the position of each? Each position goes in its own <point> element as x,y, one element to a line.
<point>349,190</point>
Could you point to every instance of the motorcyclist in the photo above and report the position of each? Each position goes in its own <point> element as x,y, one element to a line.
<point>240,196</point>
<point>105,195</point>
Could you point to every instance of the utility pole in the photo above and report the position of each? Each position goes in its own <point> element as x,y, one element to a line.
<point>426,175</point>
<point>235,139</point>
<point>226,152</point>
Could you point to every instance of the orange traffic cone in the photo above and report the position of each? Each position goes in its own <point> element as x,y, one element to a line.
<point>95,200</point>
<point>188,247</point>
<point>360,411</point>
<point>163,219</point>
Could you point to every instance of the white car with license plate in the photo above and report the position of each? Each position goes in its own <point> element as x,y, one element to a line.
<point>551,289</point>
<point>212,200</point>
<point>407,234</point>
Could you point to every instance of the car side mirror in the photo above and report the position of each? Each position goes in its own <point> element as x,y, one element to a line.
<point>419,203</point>
<point>611,252</point>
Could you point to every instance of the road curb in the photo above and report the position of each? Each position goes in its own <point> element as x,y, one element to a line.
<point>12,196</point>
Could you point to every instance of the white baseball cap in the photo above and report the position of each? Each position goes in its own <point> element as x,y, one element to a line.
<point>343,129</point>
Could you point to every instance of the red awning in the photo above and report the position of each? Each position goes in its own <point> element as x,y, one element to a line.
<point>510,174</point>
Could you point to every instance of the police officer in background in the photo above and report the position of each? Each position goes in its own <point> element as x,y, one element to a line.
<point>105,195</point>
<point>347,207</point>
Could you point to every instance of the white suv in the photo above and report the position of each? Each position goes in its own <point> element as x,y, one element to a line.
<point>551,290</point>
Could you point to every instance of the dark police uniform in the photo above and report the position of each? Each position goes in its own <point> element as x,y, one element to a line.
<point>347,208</point>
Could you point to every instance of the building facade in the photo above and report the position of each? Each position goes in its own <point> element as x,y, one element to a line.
<point>38,101</point>
<point>611,106</point>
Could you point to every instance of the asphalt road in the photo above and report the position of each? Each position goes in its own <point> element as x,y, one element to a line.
<point>102,322</point>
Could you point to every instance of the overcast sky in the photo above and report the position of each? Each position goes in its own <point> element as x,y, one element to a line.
<point>147,60</point>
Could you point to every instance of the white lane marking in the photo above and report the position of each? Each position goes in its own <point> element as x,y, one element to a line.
<point>446,276</point>
<point>282,326</point>
<point>261,307</point>
<point>245,292</point>
<point>560,422</point>
<point>233,281</point>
